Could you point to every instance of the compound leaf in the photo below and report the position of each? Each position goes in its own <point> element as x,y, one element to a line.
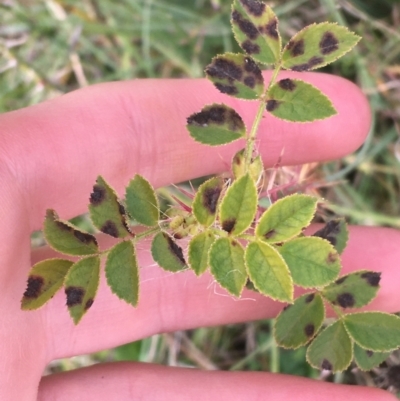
<point>236,75</point>
<point>286,218</point>
<point>216,124</point>
<point>255,27</point>
<point>206,200</point>
<point>167,253</point>
<point>199,247</point>
<point>317,45</point>
<point>353,290</point>
<point>66,238</point>
<point>312,261</point>
<point>122,272</point>
<point>106,212</point>
<point>255,169</point>
<point>332,349</point>
<point>44,280</point>
<point>142,202</point>
<point>268,271</point>
<point>367,359</point>
<point>375,331</point>
<point>298,101</point>
<point>297,324</point>
<point>239,205</point>
<point>81,284</point>
<point>227,265</point>
<point>336,232</point>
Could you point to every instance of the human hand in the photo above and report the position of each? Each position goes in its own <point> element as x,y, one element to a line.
<point>50,156</point>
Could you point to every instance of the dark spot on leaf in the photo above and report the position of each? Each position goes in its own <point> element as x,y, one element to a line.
<point>235,121</point>
<point>250,286</point>
<point>326,365</point>
<point>228,225</point>
<point>269,234</point>
<point>121,209</point>
<point>34,287</point>
<point>210,198</point>
<point>238,159</point>
<point>234,243</point>
<point>287,307</point>
<point>346,300</point>
<point>393,376</point>
<point>245,25</point>
<point>328,43</point>
<point>271,29</point>
<point>226,89</point>
<point>254,7</point>
<point>309,330</point>
<point>372,278</point>
<point>341,279</point>
<point>98,195</point>
<point>175,249</point>
<point>332,258</point>
<point>314,61</point>
<point>309,298</point>
<point>222,68</point>
<point>250,82</point>
<point>250,48</point>
<point>62,226</point>
<point>88,303</point>
<point>85,238</point>
<point>296,47</point>
<point>74,295</point>
<point>272,105</point>
<point>251,66</point>
<point>329,232</point>
<point>215,115</point>
<point>110,228</point>
<point>287,84</point>
<point>369,353</point>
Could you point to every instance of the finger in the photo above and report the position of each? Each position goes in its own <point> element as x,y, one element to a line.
<point>134,381</point>
<point>56,149</point>
<point>170,302</point>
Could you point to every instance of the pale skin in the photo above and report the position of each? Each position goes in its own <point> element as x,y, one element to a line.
<point>50,156</point>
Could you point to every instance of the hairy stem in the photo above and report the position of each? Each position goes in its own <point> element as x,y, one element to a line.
<point>257,120</point>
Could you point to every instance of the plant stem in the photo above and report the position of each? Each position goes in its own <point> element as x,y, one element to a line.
<point>257,120</point>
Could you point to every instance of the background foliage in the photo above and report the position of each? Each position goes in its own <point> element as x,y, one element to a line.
<point>50,47</point>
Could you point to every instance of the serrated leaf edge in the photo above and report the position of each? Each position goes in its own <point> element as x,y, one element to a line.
<point>321,23</point>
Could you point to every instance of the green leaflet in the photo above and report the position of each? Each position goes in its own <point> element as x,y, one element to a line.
<point>255,27</point>
<point>298,101</point>
<point>227,265</point>
<point>142,202</point>
<point>236,75</point>
<point>297,324</point>
<point>122,272</point>
<point>106,212</point>
<point>239,206</point>
<point>81,284</point>
<point>268,271</point>
<point>353,290</point>
<point>367,359</point>
<point>286,218</point>
<point>199,247</point>
<point>66,238</point>
<point>312,261</point>
<point>375,331</point>
<point>216,124</point>
<point>317,45</point>
<point>206,200</point>
<point>44,280</point>
<point>256,167</point>
<point>336,232</point>
<point>167,253</point>
<point>332,349</point>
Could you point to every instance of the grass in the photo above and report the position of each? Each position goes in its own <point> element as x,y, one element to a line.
<point>51,47</point>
